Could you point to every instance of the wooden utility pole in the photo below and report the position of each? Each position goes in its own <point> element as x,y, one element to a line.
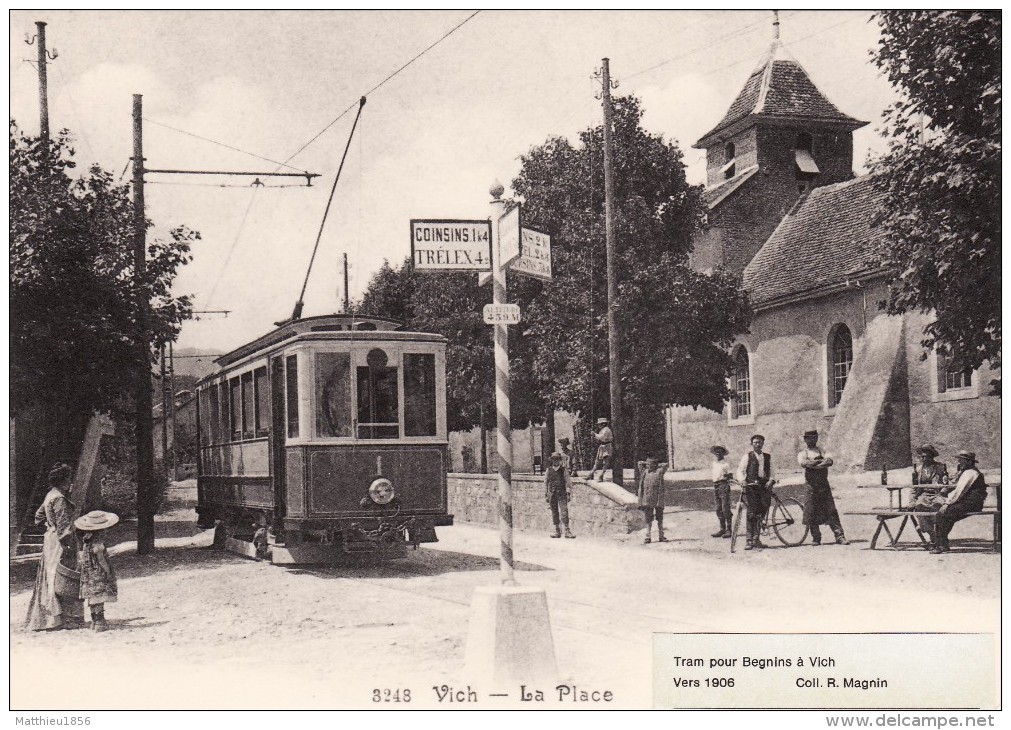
<point>347,298</point>
<point>43,84</point>
<point>43,60</point>
<point>165,389</point>
<point>613,336</point>
<point>174,471</point>
<point>145,447</point>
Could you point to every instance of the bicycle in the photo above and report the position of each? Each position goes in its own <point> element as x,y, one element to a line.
<point>784,518</point>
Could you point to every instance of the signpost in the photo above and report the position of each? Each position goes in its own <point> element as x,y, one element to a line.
<point>451,245</point>
<point>502,314</point>
<point>510,632</point>
<point>509,237</point>
<point>535,255</point>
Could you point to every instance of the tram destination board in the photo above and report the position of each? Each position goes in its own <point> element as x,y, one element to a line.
<point>450,245</point>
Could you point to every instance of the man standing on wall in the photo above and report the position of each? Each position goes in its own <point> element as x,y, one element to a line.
<point>605,451</point>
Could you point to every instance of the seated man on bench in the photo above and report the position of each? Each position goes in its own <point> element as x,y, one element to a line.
<point>968,497</point>
<point>929,471</point>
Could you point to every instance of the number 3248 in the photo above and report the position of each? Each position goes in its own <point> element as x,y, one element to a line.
<point>391,695</point>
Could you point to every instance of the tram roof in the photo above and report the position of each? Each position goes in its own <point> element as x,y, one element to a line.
<point>329,327</point>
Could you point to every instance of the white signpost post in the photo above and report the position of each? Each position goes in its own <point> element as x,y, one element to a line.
<point>510,632</point>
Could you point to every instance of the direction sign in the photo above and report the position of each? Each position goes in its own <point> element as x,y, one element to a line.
<point>501,313</point>
<point>535,256</point>
<point>450,245</point>
<point>509,237</point>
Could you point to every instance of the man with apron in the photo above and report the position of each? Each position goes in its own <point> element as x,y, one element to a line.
<point>819,505</point>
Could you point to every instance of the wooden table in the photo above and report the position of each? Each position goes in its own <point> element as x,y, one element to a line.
<point>895,509</point>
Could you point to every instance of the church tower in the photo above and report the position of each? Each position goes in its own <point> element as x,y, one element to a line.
<point>780,139</point>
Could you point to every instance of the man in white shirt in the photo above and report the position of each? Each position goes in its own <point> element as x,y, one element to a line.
<point>755,473</point>
<point>969,496</point>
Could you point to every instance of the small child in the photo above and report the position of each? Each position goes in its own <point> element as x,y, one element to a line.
<point>722,474</point>
<point>98,581</point>
<point>556,494</point>
<point>651,496</point>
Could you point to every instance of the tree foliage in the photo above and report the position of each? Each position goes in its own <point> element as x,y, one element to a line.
<point>676,324</point>
<point>73,292</point>
<point>942,179</point>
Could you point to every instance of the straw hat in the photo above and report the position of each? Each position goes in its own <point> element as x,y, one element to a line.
<point>719,450</point>
<point>927,449</point>
<point>968,455</point>
<point>97,520</point>
<point>601,421</point>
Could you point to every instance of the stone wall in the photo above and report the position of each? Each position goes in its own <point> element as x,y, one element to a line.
<point>892,408</point>
<point>593,510</point>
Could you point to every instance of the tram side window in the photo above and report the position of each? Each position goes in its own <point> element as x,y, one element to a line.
<point>213,416</point>
<point>235,411</point>
<point>419,395</point>
<point>248,405</point>
<point>204,418</point>
<point>333,394</point>
<point>262,401</point>
<point>224,422</point>
<point>291,394</point>
<point>378,403</point>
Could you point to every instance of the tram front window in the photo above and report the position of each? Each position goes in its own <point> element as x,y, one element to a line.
<point>333,394</point>
<point>378,407</point>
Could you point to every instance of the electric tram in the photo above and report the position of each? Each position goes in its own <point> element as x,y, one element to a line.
<point>323,439</point>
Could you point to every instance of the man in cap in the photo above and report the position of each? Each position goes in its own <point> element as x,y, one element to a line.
<point>819,505</point>
<point>969,495</point>
<point>722,474</point>
<point>755,473</point>
<point>651,497</point>
<point>568,458</point>
<point>605,449</point>
<point>556,494</point>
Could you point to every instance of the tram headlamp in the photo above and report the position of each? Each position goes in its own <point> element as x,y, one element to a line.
<point>381,491</point>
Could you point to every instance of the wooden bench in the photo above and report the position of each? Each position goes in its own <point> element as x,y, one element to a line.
<point>884,515</point>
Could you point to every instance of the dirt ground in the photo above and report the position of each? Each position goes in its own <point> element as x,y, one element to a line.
<point>198,628</point>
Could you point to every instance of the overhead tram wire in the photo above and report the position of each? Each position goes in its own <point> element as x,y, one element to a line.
<point>231,249</point>
<point>222,144</point>
<point>381,83</point>
<point>743,30</point>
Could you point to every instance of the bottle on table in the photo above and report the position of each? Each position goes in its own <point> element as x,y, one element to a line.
<point>884,474</point>
<point>916,475</point>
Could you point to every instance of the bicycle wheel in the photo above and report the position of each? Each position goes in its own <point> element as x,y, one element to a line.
<point>786,519</point>
<point>738,518</point>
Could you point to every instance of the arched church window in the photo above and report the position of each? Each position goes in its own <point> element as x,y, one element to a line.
<point>740,406</point>
<point>841,347</point>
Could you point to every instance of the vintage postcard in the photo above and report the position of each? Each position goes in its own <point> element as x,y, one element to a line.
<point>506,360</point>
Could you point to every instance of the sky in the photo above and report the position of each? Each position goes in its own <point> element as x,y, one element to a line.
<point>431,140</point>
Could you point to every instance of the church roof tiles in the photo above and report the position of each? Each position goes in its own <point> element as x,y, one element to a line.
<point>824,241</point>
<point>780,89</point>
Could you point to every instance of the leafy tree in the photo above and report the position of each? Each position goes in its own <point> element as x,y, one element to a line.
<point>942,180</point>
<point>676,324</point>
<point>72,288</point>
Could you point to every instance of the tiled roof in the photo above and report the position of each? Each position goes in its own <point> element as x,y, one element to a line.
<point>714,196</point>
<point>825,240</point>
<point>780,88</point>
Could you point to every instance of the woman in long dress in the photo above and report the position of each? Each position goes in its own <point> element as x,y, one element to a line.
<point>48,610</point>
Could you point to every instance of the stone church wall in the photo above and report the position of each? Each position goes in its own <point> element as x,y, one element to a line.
<point>788,348</point>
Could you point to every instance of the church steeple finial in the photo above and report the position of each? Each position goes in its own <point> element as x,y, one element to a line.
<point>775,26</point>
